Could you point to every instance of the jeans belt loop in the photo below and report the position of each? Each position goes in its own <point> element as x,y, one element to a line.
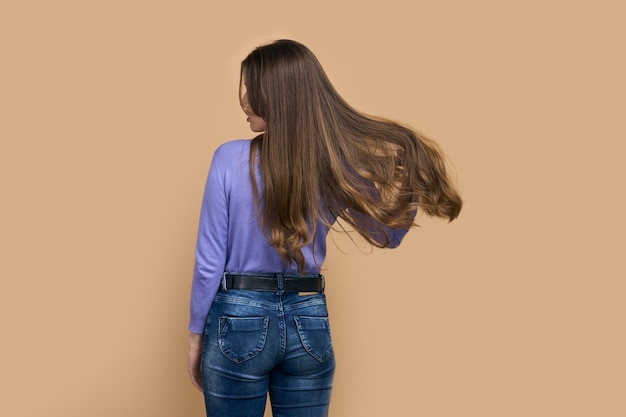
<point>281,283</point>
<point>224,287</point>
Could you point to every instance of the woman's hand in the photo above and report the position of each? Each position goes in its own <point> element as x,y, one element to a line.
<point>195,354</point>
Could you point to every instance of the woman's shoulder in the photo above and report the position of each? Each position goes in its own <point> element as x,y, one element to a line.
<point>234,146</point>
<point>233,150</point>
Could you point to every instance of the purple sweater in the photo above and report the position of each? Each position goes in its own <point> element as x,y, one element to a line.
<point>229,236</point>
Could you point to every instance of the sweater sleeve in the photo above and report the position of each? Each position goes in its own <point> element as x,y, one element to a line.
<point>377,230</point>
<point>380,231</point>
<point>211,246</point>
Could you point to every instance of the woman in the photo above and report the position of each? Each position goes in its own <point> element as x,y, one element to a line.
<point>259,322</point>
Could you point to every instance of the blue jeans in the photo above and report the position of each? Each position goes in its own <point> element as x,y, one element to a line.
<point>257,342</point>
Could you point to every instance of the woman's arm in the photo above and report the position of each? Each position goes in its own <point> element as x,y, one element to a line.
<point>195,355</point>
<point>211,245</point>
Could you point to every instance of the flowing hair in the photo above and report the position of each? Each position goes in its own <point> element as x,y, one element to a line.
<point>321,159</point>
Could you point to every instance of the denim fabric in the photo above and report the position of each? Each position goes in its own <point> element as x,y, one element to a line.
<point>257,342</point>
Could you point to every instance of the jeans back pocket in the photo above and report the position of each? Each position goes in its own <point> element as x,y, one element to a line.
<point>315,336</point>
<point>242,338</point>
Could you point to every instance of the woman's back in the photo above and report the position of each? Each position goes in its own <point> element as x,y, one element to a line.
<point>230,237</point>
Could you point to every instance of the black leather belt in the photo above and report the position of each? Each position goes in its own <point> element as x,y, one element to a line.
<point>270,282</point>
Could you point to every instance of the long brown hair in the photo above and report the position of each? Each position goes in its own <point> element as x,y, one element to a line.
<point>321,159</point>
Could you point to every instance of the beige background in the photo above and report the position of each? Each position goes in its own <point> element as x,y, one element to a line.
<point>110,112</point>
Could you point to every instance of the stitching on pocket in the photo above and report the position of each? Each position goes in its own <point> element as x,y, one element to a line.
<point>242,338</point>
<point>315,336</point>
